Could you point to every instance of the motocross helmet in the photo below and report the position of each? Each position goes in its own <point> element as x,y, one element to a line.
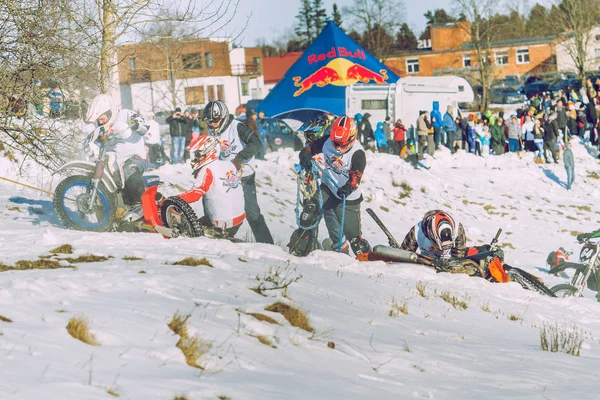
<point>315,128</point>
<point>343,134</point>
<point>204,150</point>
<point>102,105</point>
<point>440,228</point>
<point>215,114</point>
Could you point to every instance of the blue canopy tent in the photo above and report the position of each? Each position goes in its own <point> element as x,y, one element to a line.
<point>317,80</point>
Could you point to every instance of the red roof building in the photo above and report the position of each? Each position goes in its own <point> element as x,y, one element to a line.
<point>274,68</point>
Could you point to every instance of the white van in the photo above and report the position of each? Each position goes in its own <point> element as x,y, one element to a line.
<point>405,98</point>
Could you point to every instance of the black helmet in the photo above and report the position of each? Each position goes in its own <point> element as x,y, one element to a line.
<point>215,114</point>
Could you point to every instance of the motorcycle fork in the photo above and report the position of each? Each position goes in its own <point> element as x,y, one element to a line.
<point>588,272</point>
<point>98,173</point>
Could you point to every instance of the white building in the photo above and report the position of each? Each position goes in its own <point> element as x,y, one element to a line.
<point>203,70</point>
<point>564,58</point>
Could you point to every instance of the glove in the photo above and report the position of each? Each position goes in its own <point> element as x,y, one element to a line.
<point>237,161</point>
<point>345,191</point>
<point>305,160</point>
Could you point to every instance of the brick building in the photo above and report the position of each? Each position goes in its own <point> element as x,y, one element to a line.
<point>159,76</point>
<point>451,52</point>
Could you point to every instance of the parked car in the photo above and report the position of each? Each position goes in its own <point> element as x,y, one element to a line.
<point>506,95</point>
<point>509,81</point>
<point>279,135</point>
<point>539,88</point>
<point>250,105</point>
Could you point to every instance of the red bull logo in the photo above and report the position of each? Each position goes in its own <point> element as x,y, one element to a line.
<point>231,180</point>
<point>226,148</point>
<point>338,72</point>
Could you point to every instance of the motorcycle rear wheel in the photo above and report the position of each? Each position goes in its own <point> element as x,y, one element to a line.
<point>564,290</point>
<point>70,199</point>
<point>176,214</point>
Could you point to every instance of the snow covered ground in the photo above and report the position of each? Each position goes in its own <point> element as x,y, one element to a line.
<point>426,348</point>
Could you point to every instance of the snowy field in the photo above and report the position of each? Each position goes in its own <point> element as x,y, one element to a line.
<point>372,333</point>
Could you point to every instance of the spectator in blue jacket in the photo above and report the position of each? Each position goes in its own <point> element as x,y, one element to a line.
<point>380,138</point>
<point>450,128</point>
<point>471,135</point>
<point>438,124</point>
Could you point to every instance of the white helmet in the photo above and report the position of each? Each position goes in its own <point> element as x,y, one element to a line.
<point>102,105</point>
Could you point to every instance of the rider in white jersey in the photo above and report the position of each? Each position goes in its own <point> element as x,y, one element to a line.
<point>220,186</point>
<point>345,162</point>
<point>124,129</point>
<point>239,145</point>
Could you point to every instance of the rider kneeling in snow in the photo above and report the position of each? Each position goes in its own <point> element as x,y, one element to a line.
<point>124,129</point>
<point>220,185</point>
<point>437,235</point>
<point>345,162</point>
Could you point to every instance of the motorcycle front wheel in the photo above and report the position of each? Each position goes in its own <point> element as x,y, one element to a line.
<point>564,290</point>
<point>528,281</point>
<point>71,204</point>
<point>177,215</point>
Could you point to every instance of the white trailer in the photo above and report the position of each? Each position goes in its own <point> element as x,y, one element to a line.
<point>405,98</point>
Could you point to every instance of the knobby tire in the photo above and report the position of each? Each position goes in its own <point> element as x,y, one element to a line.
<point>194,228</point>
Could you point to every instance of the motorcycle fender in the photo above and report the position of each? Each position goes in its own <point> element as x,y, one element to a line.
<point>497,271</point>
<point>88,168</point>
<point>150,208</point>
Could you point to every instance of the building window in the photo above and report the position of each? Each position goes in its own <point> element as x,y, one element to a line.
<point>374,104</point>
<point>256,60</point>
<point>209,59</point>
<point>132,64</point>
<point>191,61</point>
<point>466,60</point>
<point>597,38</point>
<point>211,93</point>
<point>245,91</point>
<point>523,56</point>
<point>412,66</point>
<point>194,95</point>
<point>597,53</point>
<point>502,57</point>
<point>221,92</point>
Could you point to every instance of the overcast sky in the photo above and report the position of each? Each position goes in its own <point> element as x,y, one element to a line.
<point>270,18</point>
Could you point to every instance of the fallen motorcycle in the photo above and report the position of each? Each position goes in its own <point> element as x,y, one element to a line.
<point>587,272</point>
<point>485,261</point>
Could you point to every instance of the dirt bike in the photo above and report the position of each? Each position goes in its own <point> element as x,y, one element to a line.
<point>587,272</point>
<point>485,261</point>
<point>90,199</point>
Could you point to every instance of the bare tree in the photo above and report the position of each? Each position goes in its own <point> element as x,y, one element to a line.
<point>111,23</point>
<point>39,50</point>
<point>482,30</point>
<point>576,19</point>
<point>378,20</point>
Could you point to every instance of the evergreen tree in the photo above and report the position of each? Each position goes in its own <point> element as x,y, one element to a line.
<point>356,37</point>
<point>377,41</point>
<point>405,38</point>
<point>539,22</point>
<point>438,16</point>
<point>319,16</point>
<point>306,27</point>
<point>336,16</point>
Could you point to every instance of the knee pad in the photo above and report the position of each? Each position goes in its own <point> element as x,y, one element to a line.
<point>359,245</point>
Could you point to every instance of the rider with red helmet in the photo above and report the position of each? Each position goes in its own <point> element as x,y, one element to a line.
<point>437,235</point>
<point>345,162</point>
<point>220,185</point>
